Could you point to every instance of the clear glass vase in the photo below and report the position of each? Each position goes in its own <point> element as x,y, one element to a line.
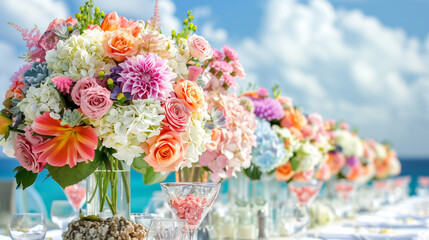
<point>108,191</point>
<point>196,173</point>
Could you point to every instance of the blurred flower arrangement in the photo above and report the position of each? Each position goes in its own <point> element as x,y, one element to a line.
<point>229,150</point>
<point>102,91</point>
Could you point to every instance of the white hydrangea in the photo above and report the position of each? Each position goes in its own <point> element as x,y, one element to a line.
<point>79,56</point>
<point>124,128</point>
<point>196,137</point>
<point>351,144</point>
<point>180,57</point>
<point>380,151</point>
<point>309,156</point>
<point>8,144</point>
<point>39,100</point>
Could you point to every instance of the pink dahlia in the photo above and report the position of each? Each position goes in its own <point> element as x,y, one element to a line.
<point>146,77</point>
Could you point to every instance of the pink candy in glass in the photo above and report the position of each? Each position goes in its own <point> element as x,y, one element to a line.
<point>76,195</point>
<point>305,193</point>
<point>190,208</point>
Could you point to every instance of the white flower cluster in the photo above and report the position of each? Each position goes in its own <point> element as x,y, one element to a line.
<point>195,139</point>
<point>351,144</point>
<point>308,156</point>
<point>8,144</point>
<point>124,128</point>
<point>179,59</point>
<point>39,100</point>
<point>79,56</point>
<point>286,135</point>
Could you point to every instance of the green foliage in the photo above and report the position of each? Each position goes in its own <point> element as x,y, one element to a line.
<point>91,218</point>
<point>66,176</point>
<point>253,172</point>
<point>89,16</point>
<point>24,178</point>
<point>295,163</point>
<point>188,28</point>
<point>276,91</point>
<point>149,175</point>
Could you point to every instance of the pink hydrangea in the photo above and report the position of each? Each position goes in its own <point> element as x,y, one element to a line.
<point>230,149</point>
<point>63,84</point>
<point>146,77</point>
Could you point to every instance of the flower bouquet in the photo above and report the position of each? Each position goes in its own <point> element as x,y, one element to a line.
<point>102,94</point>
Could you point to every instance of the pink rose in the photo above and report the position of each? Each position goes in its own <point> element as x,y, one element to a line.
<point>344,126</point>
<point>34,140</point>
<point>95,102</point>
<point>177,115</point>
<point>230,53</point>
<point>194,73</point>
<point>324,173</point>
<point>199,48</point>
<point>308,132</point>
<point>315,119</point>
<point>48,41</point>
<point>26,156</point>
<point>80,86</point>
<point>238,69</point>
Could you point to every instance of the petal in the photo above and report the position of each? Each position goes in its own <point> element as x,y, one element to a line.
<point>45,125</point>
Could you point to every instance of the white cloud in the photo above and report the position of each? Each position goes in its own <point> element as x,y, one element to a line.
<point>216,36</point>
<point>32,12</point>
<point>7,68</point>
<point>345,65</point>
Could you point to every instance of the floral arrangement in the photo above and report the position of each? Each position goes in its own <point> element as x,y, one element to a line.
<point>230,147</point>
<point>104,92</point>
<point>386,162</point>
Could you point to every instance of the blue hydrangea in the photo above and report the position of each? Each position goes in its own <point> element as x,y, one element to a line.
<point>36,75</point>
<point>269,151</point>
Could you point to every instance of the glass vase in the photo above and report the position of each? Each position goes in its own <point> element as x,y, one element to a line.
<point>108,191</point>
<point>196,173</point>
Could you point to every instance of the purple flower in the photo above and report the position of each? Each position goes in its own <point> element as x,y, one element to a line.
<point>352,161</point>
<point>268,108</point>
<point>146,77</point>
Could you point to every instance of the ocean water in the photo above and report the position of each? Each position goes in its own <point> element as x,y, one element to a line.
<point>142,193</point>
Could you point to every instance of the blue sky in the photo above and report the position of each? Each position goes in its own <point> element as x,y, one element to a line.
<point>363,61</point>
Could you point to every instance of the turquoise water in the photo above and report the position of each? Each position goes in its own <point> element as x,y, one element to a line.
<point>141,193</point>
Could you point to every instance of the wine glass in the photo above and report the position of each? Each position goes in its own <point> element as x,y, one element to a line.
<point>293,218</point>
<point>145,219</point>
<point>76,194</point>
<point>31,226</point>
<point>168,228</point>
<point>191,201</point>
<point>62,213</point>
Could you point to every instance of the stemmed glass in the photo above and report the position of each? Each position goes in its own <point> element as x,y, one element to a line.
<point>293,217</point>
<point>191,201</point>
<point>62,213</point>
<point>76,194</point>
<point>28,226</point>
<point>167,228</point>
<point>345,192</point>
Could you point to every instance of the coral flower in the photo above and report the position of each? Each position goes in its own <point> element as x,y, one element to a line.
<point>70,145</point>
<point>293,118</point>
<point>284,172</point>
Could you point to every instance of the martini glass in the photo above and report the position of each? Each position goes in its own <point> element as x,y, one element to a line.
<point>345,191</point>
<point>191,201</point>
<point>76,194</point>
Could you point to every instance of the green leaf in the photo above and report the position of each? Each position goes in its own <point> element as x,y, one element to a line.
<point>24,178</point>
<point>295,163</point>
<point>253,172</point>
<point>66,176</point>
<point>152,177</point>
<point>149,175</point>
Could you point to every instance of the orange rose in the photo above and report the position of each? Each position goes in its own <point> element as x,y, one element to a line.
<point>335,162</point>
<point>284,172</point>
<point>164,152</point>
<point>190,94</point>
<point>294,118</point>
<point>110,22</point>
<point>15,90</point>
<point>120,44</point>
<point>304,176</point>
<point>113,22</point>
